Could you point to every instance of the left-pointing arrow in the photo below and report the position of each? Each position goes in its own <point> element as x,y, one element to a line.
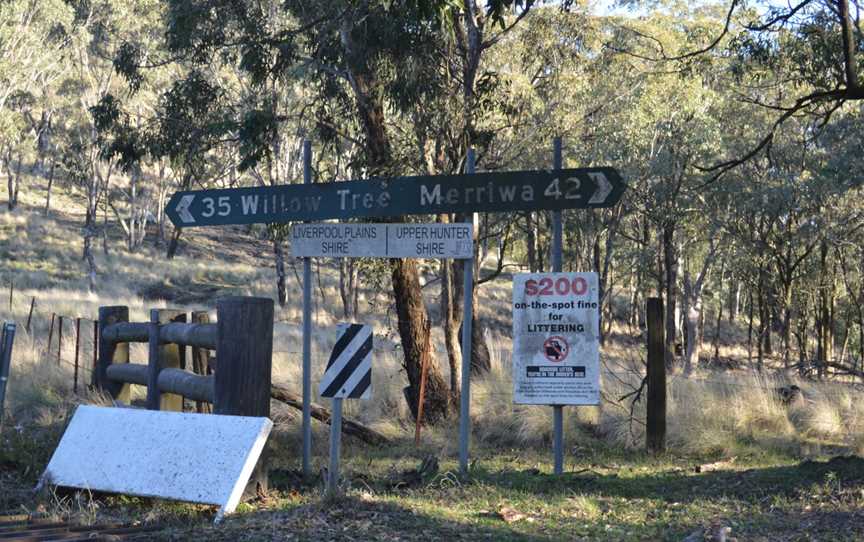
<point>183,209</point>
<point>604,187</point>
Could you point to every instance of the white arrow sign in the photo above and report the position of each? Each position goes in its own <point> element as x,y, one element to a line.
<point>604,187</point>
<point>183,209</point>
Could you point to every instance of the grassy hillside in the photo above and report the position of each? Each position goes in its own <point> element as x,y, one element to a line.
<point>731,421</point>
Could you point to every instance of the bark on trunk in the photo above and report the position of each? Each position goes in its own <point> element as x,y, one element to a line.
<point>414,332</point>
<point>670,264</point>
<point>279,257</point>
<point>48,191</point>
<point>12,180</point>
<point>480,359</point>
<point>451,322</point>
<point>173,244</point>
<point>89,234</point>
<point>734,301</point>
<point>348,291</point>
<point>531,242</point>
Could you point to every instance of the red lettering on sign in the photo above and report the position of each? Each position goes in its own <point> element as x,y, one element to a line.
<point>561,286</point>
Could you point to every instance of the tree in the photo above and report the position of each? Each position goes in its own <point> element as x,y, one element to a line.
<point>355,56</point>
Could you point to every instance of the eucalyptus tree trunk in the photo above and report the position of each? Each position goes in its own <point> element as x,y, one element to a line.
<point>734,300</point>
<point>348,289</point>
<point>89,234</point>
<point>13,179</point>
<point>670,265</point>
<point>451,321</point>
<point>480,359</point>
<point>693,287</point>
<point>47,209</point>
<point>531,242</point>
<point>279,257</point>
<point>413,320</point>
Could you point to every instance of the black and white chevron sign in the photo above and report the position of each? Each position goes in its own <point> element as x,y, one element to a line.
<point>349,371</point>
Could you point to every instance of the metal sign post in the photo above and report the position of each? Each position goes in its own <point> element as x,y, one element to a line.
<point>307,332</point>
<point>467,317</point>
<point>348,376</point>
<point>557,257</point>
<point>335,447</point>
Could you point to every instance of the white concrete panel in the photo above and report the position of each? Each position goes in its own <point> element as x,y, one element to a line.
<point>201,458</point>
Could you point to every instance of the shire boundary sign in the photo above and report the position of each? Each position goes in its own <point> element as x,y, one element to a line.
<point>556,339</point>
<point>382,240</point>
<point>478,192</point>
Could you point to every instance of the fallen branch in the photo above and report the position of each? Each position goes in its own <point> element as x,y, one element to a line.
<point>322,414</point>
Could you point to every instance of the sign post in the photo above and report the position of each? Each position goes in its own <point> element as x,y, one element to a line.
<point>556,339</point>
<point>348,376</point>
<point>467,317</point>
<point>557,259</point>
<point>307,332</point>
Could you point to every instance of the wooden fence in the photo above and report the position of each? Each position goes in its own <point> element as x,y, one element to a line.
<point>242,339</point>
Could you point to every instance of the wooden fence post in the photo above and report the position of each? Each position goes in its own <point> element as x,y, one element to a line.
<point>200,359</point>
<point>163,356</point>
<point>153,361</point>
<point>244,354</point>
<point>244,351</point>
<point>77,351</point>
<point>112,352</point>
<point>655,436</point>
<point>94,371</point>
<point>50,335</point>
<point>30,314</point>
<point>59,337</point>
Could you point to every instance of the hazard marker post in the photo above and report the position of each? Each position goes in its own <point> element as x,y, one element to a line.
<point>348,376</point>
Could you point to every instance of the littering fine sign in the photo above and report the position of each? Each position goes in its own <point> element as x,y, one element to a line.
<point>556,339</point>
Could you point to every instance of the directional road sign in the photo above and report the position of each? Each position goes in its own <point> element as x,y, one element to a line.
<point>489,192</point>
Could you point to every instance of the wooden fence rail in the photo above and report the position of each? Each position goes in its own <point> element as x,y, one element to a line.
<point>242,340</point>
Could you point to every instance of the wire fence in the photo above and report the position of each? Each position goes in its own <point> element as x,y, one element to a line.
<point>84,360</point>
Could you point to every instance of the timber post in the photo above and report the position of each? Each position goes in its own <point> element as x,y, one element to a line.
<point>655,435</point>
<point>153,367</point>
<point>162,355</point>
<point>244,351</point>
<point>111,352</point>
<point>244,357</point>
<point>200,359</point>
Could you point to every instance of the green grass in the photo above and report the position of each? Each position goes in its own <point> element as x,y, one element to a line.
<point>606,494</point>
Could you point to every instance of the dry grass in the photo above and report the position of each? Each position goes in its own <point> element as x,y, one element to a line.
<point>709,413</point>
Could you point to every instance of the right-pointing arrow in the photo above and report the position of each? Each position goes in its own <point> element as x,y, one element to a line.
<point>604,187</point>
<point>183,209</point>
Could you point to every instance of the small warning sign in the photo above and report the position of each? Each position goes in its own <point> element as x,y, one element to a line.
<point>556,340</point>
<point>556,348</point>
